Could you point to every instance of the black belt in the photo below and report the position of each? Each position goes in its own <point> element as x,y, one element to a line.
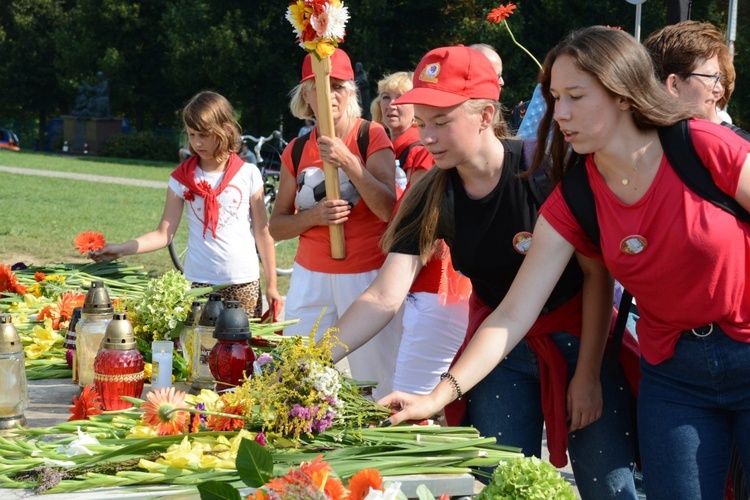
<point>700,332</point>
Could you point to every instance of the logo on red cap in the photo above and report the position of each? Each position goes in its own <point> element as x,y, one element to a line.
<point>430,73</point>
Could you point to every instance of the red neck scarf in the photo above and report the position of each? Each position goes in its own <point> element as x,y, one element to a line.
<point>185,175</point>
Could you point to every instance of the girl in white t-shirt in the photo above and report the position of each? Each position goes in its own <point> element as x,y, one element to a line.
<point>221,195</point>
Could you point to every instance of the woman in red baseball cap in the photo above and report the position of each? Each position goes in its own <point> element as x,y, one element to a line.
<point>363,155</point>
<point>478,201</point>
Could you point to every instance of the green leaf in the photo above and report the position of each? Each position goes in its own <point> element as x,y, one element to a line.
<point>254,464</point>
<point>424,493</point>
<point>215,490</point>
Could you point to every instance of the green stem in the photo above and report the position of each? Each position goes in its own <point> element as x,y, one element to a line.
<point>522,47</point>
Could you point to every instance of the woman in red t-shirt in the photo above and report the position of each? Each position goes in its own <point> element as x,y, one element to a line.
<point>683,258</point>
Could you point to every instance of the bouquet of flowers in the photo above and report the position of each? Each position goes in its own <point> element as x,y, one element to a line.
<point>318,24</point>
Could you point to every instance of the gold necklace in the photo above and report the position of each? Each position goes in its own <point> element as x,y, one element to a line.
<point>625,181</point>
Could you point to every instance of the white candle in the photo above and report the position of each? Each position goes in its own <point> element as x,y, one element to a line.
<point>161,359</point>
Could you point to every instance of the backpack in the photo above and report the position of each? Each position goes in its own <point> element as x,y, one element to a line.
<point>678,147</point>
<point>363,142</point>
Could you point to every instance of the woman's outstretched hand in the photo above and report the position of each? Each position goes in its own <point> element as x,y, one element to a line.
<point>409,407</point>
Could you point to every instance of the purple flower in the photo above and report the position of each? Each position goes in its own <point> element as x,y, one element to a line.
<point>264,358</point>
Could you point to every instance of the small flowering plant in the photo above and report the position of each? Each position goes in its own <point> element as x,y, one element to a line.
<point>500,15</point>
<point>162,307</point>
<point>318,24</point>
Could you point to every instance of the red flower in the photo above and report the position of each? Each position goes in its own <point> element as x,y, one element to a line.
<point>87,404</point>
<point>222,423</point>
<point>89,241</point>
<point>9,282</point>
<point>39,276</point>
<point>500,14</point>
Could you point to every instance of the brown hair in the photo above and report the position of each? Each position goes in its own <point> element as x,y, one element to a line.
<point>422,202</point>
<point>678,48</point>
<point>211,113</point>
<point>622,66</point>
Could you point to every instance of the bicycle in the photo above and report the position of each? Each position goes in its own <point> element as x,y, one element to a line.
<point>268,155</point>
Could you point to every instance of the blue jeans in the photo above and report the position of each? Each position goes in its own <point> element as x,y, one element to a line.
<point>507,404</point>
<point>690,408</point>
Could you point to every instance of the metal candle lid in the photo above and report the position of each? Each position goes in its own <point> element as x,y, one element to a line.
<point>119,334</point>
<point>97,299</point>
<point>211,310</point>
<point>232,323</point>
<point>9,340</point>
<point>194,313</point>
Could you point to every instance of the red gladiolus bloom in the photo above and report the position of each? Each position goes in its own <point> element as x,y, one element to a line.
<point>39,276</point>
<point>89,241</point>
<point>501,13</point>
<point>9,282</point>
<point>87,404</point>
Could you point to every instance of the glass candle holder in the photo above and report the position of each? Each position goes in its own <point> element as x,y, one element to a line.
<point>118,367</point>
<point>161,361</point>
<point>95,316</point>
<point>205,341</point>
<point>232,358</point>
<point>14,398</point>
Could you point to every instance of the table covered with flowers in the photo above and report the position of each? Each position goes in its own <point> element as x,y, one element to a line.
<point>296,424</point>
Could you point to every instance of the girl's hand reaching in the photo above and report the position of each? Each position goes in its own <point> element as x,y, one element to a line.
<point>111,251</point>
<point>409,407</point>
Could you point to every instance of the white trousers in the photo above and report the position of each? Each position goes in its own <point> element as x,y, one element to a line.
<point>309,292</point>
<point>432,335</point>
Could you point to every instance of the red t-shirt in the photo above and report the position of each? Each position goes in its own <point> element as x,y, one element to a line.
<point>418,157</point>
<point>685,260</point>
<point>362,231</point>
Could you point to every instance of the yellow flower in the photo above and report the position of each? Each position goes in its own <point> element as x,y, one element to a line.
<point>141,431</point>
<point>324,48</point>
<point>297,15</point>
<point>148,371</point>
<point>43,338</point>
<point>36,290</point>
<point>60,278</point>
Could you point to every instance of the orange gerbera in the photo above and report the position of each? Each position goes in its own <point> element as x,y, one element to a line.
<point>222,423</point>
<point>87,404</point>
<point>9,281</point>
<point>61,312</point>
<point>500,14</point>
<point>362,481</point>
<point>160,411</point>
<point>39,276</point>
<point>89,241</point>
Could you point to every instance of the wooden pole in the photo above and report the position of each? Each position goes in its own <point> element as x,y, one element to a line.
<point>322,70</point>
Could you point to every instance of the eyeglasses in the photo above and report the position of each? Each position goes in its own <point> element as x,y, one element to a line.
<point>711,78</point>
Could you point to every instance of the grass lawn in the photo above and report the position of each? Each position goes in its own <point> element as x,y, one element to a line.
<point>42,215</point>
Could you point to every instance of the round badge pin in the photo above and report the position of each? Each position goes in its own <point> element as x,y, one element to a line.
<point>633,244</point>
<point>522,242</point>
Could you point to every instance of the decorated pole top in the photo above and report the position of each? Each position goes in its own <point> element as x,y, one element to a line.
<point>319,27</point>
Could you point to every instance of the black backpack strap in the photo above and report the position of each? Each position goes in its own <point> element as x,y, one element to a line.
<point>297,148</point>
<point>363,138</point>
<point>579,197</point>
<point>678,146</point>
<point>405,153</point>
<point>577,193</point>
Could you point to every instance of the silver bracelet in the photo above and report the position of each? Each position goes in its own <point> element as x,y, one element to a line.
<point>453,382</point>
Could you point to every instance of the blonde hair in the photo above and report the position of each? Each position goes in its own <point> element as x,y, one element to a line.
<point>421,205</point>
<point>300,108</point>
<point>398,83</point>
<point>211,114</point>
<point>623,67</point>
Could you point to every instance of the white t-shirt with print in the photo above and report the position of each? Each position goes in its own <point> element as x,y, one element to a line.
<point>230,257</point>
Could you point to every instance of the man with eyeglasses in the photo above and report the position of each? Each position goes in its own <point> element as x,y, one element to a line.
<point>693,61</point>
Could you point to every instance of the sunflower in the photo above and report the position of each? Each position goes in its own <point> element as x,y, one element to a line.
<point>87,404</point>
<point>161,411</point>
<point>89,241</point>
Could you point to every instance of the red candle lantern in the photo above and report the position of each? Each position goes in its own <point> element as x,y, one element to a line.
<point>118,367</point>
<point>232,357</point>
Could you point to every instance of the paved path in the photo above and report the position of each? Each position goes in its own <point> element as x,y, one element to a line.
<point>84,177</point>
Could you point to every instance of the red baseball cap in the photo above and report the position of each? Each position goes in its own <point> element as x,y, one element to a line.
<point>448,76</point>
<point>341,66</point>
